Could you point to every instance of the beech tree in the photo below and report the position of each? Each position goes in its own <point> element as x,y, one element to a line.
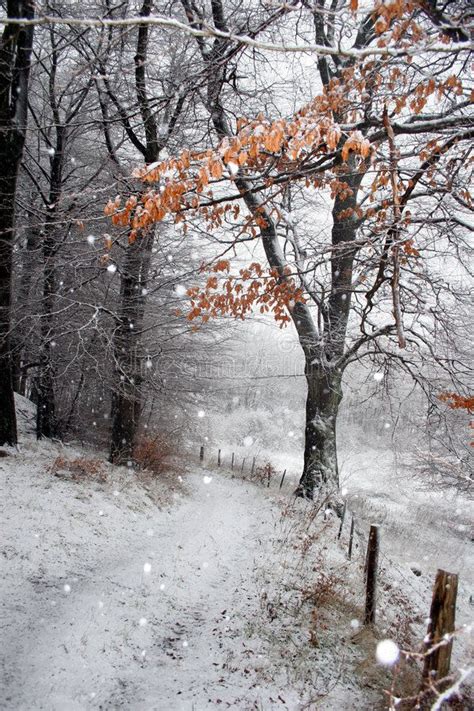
<point>385,145</point>
<point>15,54</point>
<point>149,137</point>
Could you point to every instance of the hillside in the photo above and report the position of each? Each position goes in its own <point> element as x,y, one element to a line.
<point>193,591</point>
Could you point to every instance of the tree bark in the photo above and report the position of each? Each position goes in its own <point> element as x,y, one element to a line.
<point>46,422</point>
<point>324,363</point>
<point>20,341</point>
<point>320,470</point>
<point>127,396</point>
<point>15,51</point>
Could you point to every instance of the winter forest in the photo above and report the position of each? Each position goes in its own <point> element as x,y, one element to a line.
<point>235,367</point>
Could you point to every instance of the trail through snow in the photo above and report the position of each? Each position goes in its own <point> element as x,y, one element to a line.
<point>172,638</point>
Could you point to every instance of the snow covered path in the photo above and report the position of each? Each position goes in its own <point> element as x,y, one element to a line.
<point>95,630</point>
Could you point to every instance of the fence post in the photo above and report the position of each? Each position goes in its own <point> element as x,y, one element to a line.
<point>253,466</point>
<point>351,538</point>
<point>232,464</point>
<point>201,453</point>
<point>282,479</point>
<point>219,458</point>
<point>371,580</point>
<point>442,617</point>
<point>342,521</point>
<point>242,467</point>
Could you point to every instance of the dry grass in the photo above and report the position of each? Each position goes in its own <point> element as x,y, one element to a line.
<point>80,469</point>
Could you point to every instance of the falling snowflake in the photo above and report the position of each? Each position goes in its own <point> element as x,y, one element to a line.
<point>67,588</point>
<point>201,413</point>
<point>142,621</point>
<point>90,239</point>
<point>112,268</point>
<point>387,652</point>
<point>248,441</point>
<point>147,568</point>
<point>180,290</point>
<point>207,479</point>
<point>378,377</point>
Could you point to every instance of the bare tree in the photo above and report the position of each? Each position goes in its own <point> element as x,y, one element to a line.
<point>15,53</point>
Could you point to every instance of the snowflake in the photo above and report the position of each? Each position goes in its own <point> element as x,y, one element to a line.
<point>387,652</point>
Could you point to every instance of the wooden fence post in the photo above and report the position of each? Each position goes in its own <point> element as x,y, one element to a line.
<point>201,454</point>
<point>282,479</point>
<point>371,580</point>
<point>351,538</point>
<point>232,463</point>
<point>242,467</point>
<point>219,458</point>
<point>442,617</point>
<point>342,521</point>
<point>253,467</point>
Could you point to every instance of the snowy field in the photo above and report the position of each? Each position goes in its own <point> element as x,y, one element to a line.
<point>202,591</point>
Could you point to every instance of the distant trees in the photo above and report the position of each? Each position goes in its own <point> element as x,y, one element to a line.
<point>93,320</point>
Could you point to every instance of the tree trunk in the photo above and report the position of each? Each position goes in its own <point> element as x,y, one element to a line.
<point>323,377</point>
<point>127,397</point>
<point>20,341</point>
<point>15,51</point>
<point>46,421</point>
<point>9,160</point>
<point>320,471</point>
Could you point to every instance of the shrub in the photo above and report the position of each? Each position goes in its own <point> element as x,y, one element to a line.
<point>265,473</point>
<point>152,452</point>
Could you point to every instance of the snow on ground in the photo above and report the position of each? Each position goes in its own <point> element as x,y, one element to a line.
<point>111,602</point>
<point>167,595</point>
